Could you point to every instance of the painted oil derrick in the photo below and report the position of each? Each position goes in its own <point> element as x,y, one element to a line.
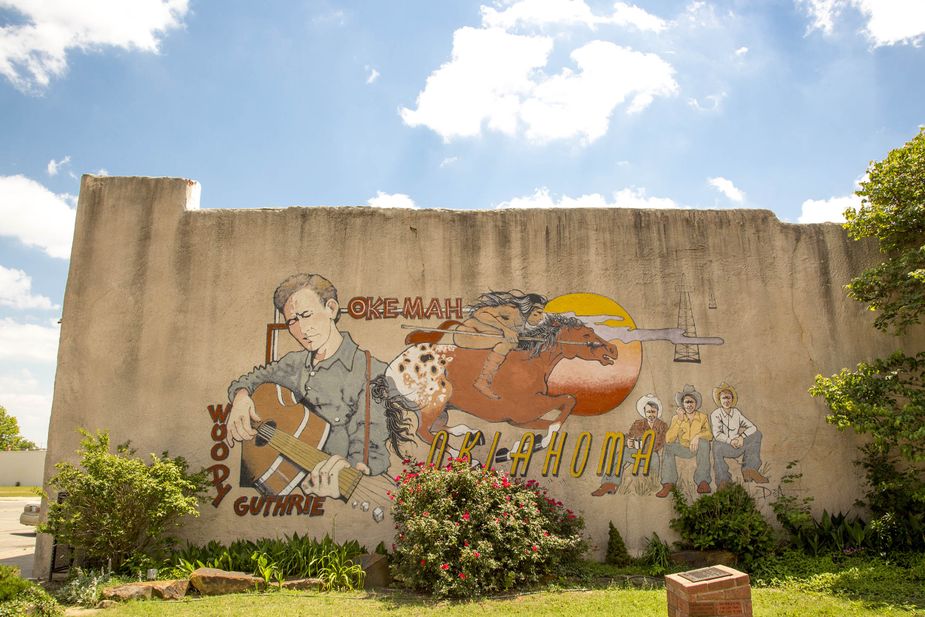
<point>685,352</point>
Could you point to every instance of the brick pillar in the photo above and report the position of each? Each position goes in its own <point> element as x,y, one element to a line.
<point>718,591</point>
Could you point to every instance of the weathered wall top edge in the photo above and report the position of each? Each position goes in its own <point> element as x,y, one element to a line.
<point>193,204</point>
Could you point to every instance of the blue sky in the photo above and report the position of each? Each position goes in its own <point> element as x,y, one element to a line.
<point>776,104</point>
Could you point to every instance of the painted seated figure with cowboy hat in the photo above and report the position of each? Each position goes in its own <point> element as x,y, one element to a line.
<point>650,408</point>
<point>688,437</point>
<point>734,436</point>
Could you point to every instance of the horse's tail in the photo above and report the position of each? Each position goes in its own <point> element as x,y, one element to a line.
<point>396,407</point>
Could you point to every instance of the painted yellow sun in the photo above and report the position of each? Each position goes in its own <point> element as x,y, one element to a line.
<point>597,388</point>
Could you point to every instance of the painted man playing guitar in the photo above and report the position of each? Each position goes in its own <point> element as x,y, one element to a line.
<point>334,379</point>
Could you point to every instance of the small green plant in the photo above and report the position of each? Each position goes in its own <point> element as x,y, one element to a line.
<point>290,556</point>
<point>657,555</point>
<point>464,531</point>
<point>616,548</point>
<point>266,569</point>
<point>728,519</point>
<point>11,584</point>
<point>792,512</point>
<point>83,588</point>
<point>117,505</point>
<point>21,597</point>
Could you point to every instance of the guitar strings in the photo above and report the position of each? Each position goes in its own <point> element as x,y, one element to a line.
<point>375,488</point>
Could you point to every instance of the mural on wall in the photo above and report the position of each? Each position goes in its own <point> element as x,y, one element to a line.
<point>496,381</point>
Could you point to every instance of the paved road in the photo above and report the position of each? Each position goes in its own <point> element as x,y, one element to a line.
<point>17,542</point>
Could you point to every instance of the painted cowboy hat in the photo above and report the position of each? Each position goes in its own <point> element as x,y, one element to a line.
<point>645,400</point>
<point>690,391</point>
<point>720,388</point>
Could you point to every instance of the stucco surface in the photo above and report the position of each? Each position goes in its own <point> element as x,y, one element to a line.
<point>167,303</point>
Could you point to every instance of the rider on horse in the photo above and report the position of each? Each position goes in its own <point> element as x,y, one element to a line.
<point>503,316</point>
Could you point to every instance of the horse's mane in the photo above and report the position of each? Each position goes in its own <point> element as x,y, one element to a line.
<point>547,332</point>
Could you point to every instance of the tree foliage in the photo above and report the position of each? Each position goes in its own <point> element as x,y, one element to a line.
<point>116,504</point>
<point>885,399</point>
<point>893,211</point>
<point>10,439</point>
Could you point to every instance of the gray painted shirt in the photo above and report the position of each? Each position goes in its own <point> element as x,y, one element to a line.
<point>335,389</point>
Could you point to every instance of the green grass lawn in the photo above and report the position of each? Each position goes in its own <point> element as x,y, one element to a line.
<point>19,491</point>
<point>768,602</point>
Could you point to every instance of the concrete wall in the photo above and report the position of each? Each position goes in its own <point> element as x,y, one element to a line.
<point>166,304</point>
<point>24,468</point>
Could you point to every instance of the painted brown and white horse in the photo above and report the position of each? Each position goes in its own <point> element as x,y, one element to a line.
<point>436,377</point>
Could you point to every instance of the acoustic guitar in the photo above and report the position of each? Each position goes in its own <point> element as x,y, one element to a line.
<point>288,445</point>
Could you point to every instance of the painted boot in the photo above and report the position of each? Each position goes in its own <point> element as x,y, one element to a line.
<point>607,488</point>
<point>666,490</point>
<point>752,475</point>
<point>489,370</point>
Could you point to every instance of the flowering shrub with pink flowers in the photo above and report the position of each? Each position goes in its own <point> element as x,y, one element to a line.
<point>464,531</point>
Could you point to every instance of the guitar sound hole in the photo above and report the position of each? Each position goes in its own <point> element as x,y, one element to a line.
<point>261,441</point>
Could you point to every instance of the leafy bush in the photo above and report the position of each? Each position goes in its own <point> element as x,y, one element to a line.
<point>83,588</point>
<point>616,548</point>
<point>11,584</point>
<point>287,557</point>
<point>727,519</point>
<point>117,504</point>
<point>463,531</point>
<point>21,597</point>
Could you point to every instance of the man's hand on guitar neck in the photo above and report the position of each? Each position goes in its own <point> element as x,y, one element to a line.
<point>324,479</point>
<point>242,418</point>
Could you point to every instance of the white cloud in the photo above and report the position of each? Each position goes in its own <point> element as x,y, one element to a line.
<point>822,13</point>
<point>371,75</point>
<point>29,401</point>
<point>634,197</point>
<point>727,188</point>
<point>55,166</point>
<point>828,210</point>
<point>16,291</point>
<point>711,102</point>
<point>631,197</point>
<point>102,171</point>
<point>500,80</point>
<point>544,13</point>
<point>35,216</point>
<point>450,160</point>
<point>741,51</point>
<point>24,342</point>
<point>493,80</point>
<point>486,80</point>
<point>393,200</point>
<point>34,52</point>
<point>889,22</point>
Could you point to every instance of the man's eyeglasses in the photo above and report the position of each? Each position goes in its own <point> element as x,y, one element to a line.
<point>295,318</point>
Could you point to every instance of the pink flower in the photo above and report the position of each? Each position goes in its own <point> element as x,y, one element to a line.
<point>535,548</point>
<point>425,513</point>
<point>423,562</point>
<point>444,566</point>
<point>462,576</point>
<point>476,554</point>
<point>465,542</point>
<point>465,516</point>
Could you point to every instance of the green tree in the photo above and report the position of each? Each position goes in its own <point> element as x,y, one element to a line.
<point>117,505</point>
<point>885,399</point>
<point>10,439</point>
